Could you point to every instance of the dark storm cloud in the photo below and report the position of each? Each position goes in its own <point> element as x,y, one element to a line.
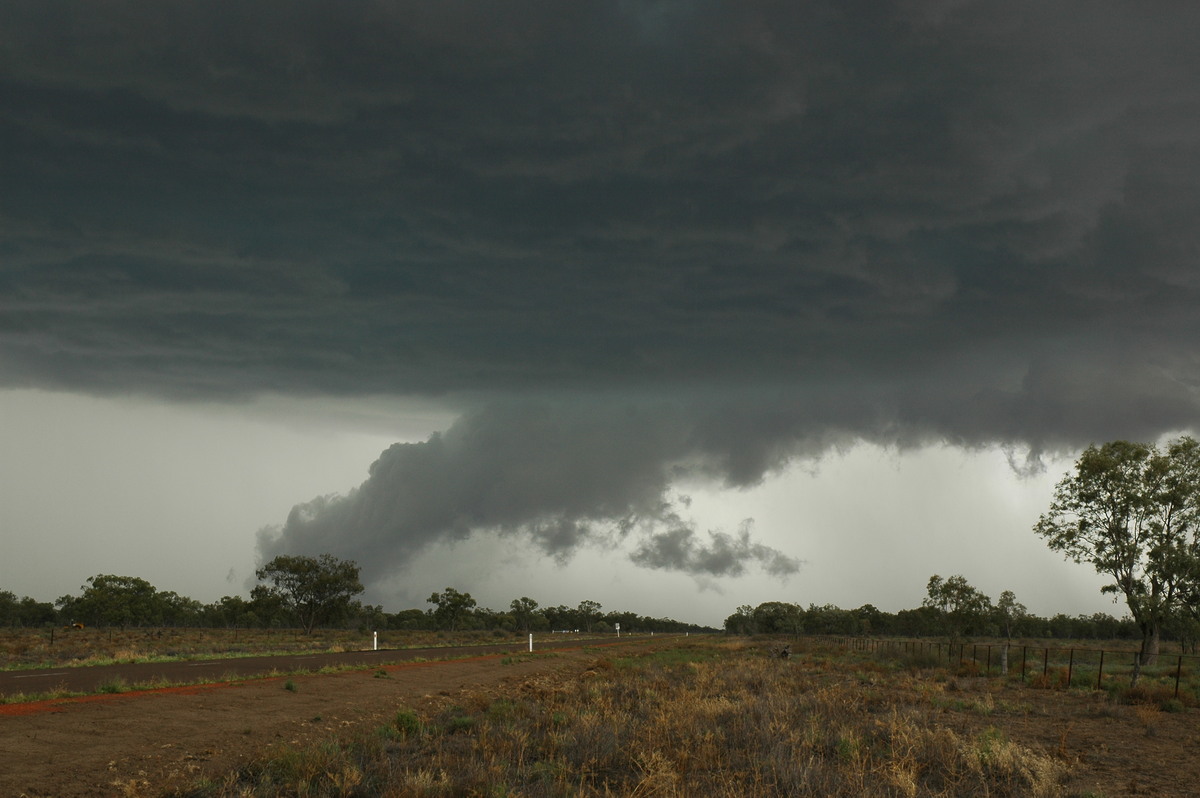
<point>566,478</point>
<point>793,224</point>
<point>679,548</point>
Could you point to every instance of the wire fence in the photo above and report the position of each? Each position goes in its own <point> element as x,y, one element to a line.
<point>1056,666</point>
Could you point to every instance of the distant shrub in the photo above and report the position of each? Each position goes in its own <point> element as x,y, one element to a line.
<point>407,723</point>
<point>116,685</point>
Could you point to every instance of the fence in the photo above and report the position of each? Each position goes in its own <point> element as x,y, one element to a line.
<point>1076,661</point>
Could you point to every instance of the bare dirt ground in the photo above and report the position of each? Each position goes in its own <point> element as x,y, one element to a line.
<point>92,678</point>
<point>147,743</point>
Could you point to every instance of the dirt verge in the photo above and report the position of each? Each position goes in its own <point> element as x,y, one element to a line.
<point>146,742</point>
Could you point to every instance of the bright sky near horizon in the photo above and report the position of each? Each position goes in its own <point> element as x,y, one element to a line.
<point>675,306</point>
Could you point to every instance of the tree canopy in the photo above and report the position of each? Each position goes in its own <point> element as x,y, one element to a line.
<point>963,607</point>
<point>313,589</point>
<point>1132,512</point>
<point>451,607</point>
<point>110,600</point>
<point>523,610</point>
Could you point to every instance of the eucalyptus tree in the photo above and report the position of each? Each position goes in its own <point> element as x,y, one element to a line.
<point>1132,512</point>
<point>111,600</point>
<point>741,622</point>
<point>313,589</point>
<point>589,613</point>
<point>1008,612</point>
<point>778,617</point>
<point>962,607</point>
<point>524,610</point>
<point>451,608</point>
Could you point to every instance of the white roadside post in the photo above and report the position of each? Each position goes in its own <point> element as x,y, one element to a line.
<point>531,642</point>
<point>618,630</point>
<point>375,641</point>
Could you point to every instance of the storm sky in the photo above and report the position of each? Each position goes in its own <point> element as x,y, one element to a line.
<point>670,305</point>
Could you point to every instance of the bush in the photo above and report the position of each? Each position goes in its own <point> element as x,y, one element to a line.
<point>407,723</point>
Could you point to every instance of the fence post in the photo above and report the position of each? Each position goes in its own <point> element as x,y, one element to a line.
<point>1024,656</point>
<point>1070,668</point>
<point>989,661</point>
<point>1100,675</point>
<point>1045,661</point>
<point>1178,670</point>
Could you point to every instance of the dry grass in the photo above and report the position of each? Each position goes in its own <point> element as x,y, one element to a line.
<point>707,719</point>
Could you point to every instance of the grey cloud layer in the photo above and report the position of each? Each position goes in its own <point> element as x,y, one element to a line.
<point>410,198</point>
<point>802,223</point>
<point>564,477</point>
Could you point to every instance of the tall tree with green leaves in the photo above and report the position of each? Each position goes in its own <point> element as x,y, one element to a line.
<point>778,617</point>
<point>313,589</point>
<point>589,613</point>
<point>1132,512</point>
<point>962,607</point>
<point>741,622</point>
<point>451,608</point>
<point>523,611</point>
<point>1008,613</point>
<point>111,600</point>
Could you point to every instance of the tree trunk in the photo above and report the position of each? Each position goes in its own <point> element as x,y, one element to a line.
<point>1150,639</point>
<point>1004,659</point>
<point>1148,655</point>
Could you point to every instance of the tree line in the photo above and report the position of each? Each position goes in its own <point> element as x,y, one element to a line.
<point>976,616</point>
<point>310,592</point>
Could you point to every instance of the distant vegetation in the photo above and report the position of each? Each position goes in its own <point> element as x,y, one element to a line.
<point>777,617</point>
<point>308,593</point>
<point>114,601</point>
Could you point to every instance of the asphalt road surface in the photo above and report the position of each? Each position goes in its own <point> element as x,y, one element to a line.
<point>90,679</point>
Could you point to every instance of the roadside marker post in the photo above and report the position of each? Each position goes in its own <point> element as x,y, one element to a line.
<point>531,642</point>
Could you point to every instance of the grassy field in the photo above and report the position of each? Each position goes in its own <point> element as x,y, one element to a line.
<point>711,716</point>
<point>708,717</point>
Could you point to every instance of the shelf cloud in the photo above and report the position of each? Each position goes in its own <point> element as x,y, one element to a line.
<point>634,245</point>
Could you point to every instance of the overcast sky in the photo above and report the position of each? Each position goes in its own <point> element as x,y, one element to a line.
<point>670,305</point>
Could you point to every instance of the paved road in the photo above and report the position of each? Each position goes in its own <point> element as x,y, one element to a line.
<point>90,679</point>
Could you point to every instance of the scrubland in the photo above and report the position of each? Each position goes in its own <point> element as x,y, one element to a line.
<point>707,717</point>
